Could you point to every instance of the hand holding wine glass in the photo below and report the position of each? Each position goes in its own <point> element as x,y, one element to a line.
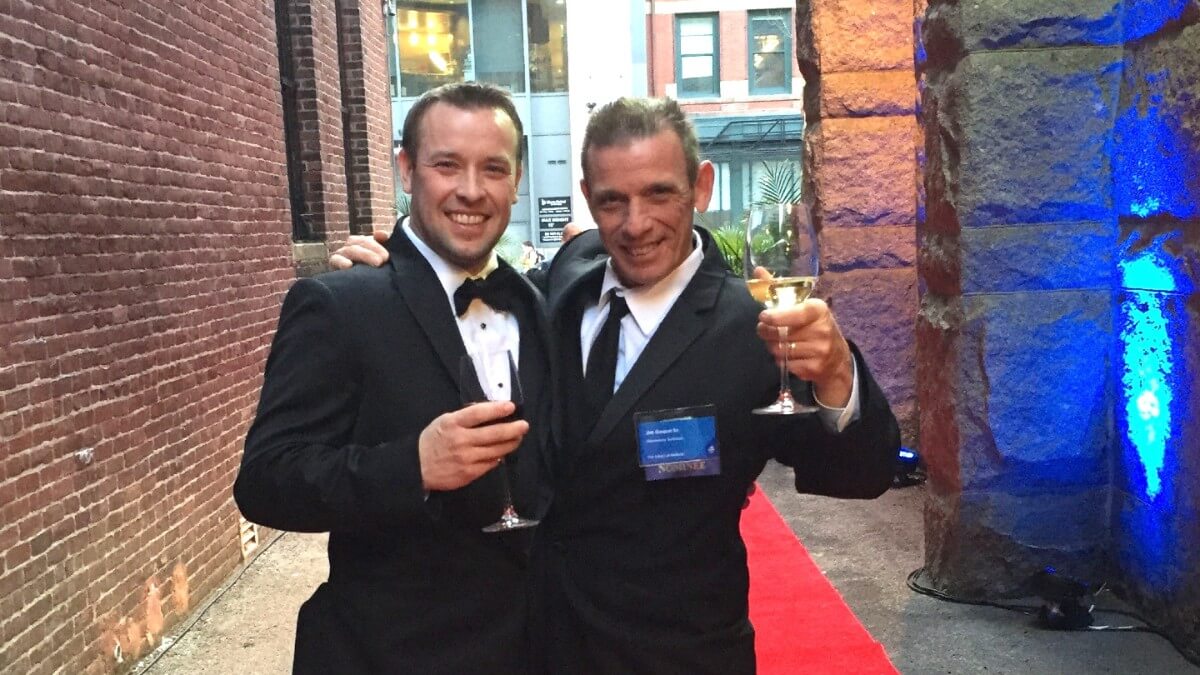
<point>781,262</point>
<point>472,392</point>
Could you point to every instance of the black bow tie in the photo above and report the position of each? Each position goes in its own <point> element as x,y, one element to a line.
<point>497,290</point>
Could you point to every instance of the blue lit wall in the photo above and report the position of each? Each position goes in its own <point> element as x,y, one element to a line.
<point>1153,394</point>
<point>1157,195</point>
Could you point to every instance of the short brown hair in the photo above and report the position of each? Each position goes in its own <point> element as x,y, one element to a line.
<point>464,96</point>
<point>627,119</point>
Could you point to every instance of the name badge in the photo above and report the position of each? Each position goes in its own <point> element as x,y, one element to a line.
<point>678,443</point>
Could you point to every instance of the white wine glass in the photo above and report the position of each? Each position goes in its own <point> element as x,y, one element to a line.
<point>472,392</point>
<point>780,241</point>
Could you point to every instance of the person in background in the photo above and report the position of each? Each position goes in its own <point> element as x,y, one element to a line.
<point>530,257</point>
<point>362,429</point>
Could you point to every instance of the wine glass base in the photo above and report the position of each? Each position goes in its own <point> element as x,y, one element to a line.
<point>511,523</point>
<point>786,407</point>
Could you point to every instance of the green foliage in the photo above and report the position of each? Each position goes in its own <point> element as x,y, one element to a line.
<point>403,203</point>
<point>729,239</point>
<point>509,248</point>
<point>780,184</point>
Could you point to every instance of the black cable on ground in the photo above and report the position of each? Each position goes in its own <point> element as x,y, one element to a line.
<point>1030,610</point>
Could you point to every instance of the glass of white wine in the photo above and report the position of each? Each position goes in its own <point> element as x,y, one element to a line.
<point>781,262</point>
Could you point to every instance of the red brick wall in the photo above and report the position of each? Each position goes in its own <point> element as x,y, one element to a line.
<point>365,52</point>
<point>315,54</point>
<point>734,44</point>
<point>144,248</point>
<point>662,52</point>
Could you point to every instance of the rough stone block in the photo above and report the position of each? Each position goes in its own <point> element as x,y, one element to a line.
<point>877,309</point>
<point>863,94</point>
<point>1037,257</point>
<point>1019,258</point>
<point>1022,138</point>
<point>855,35</point>
<point>1023,388</point>
<point>850,248</point>
<point>863,171</point>
<point>1157,162</point>
<point>952,27</point>
<point>989,543</point>
<point>1158,552</point>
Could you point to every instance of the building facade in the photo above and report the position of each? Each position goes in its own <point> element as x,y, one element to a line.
<point>731,66</point>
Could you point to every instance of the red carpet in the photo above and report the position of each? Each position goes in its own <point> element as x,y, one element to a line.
<point>802,624</point>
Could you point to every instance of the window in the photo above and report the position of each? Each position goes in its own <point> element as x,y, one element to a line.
<point>696,56</point>
<point>547,21</point>
<point>434,45</point>
<point>770,51</point>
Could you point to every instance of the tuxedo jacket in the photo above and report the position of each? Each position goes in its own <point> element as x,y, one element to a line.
<point>634,576</point>
<point>363,360</point>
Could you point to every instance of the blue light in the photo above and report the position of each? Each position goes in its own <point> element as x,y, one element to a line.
<point>1148,359</point>
<point>1147,18</point>
<point>1154,169</point>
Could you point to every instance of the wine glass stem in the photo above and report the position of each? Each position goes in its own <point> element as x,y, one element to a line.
<point>508,500</point>
<point>785,390</point>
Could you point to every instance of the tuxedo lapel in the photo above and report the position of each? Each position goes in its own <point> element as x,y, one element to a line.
<point>418,287</point>
<point>685,322</point>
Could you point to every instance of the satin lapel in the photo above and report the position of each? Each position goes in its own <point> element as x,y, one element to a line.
<point>418,288</point>
<point>685,322</point>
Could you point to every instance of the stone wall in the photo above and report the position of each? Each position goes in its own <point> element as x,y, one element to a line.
<point>1058,258</point>
<point>860,171</point>
<point>1156,504</point>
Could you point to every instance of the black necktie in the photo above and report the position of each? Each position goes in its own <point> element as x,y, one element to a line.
<point>602,360</point>
<point>496,290</point>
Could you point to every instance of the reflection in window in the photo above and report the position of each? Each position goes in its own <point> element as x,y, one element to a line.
<point>435,46</point>
<point>547,45</point>
<point>696,55</point>
<point>770,45</point>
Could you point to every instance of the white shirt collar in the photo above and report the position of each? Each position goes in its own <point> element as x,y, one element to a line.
<point>449,275</point>
<point>648,305</point>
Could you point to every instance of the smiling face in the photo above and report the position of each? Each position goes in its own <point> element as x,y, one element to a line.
<point>640,197</point>
<point>463,181</point>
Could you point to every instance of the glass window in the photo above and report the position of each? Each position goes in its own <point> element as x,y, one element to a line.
<point>547,46</point>
<point>770,51</point>
<point>697,72</point>
<point>499,44</point>
<point>435,45</point>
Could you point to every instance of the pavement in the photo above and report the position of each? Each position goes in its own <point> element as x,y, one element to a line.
<point>866,548</point>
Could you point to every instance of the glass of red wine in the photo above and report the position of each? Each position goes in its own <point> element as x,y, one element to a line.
<point>472,392</point>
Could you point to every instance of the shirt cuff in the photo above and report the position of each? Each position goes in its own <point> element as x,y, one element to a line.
<point>837,419</point>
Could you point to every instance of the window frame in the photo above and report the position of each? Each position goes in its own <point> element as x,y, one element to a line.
<point>715,78</point>
<point>751,73</point>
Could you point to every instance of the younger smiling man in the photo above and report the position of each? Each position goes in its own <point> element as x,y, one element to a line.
<point>360,429</point>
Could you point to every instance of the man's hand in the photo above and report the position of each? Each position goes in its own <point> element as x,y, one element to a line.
<point>359,248</point>
<point>816,349</point>
<point>460,446</point>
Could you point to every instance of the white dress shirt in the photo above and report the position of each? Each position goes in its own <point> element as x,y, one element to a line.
<point>489,335</point>
<point>648,306</point>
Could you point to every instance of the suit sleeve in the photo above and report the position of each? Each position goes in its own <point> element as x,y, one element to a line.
<point>300,471</point>
<point>858,462</point>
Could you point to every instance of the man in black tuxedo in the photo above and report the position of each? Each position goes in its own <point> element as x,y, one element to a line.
<point>362,431</point>
<point>639,566</point>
